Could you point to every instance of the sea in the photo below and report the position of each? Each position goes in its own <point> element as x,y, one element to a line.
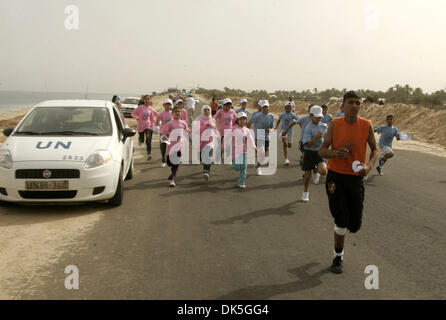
<point>13,100</point>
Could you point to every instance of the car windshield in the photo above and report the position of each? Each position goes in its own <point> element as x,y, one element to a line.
<point>130,101</point>
<point>75,121</point>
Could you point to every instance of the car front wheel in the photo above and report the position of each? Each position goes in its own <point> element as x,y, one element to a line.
<point>119,194</point>
<point>129,175</point>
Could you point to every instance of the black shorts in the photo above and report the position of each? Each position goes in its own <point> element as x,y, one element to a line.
<point>345,199</point>
<point>310,160</point>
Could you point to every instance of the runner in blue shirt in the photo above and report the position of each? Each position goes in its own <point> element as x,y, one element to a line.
<point>243,104</point>
<point>327,117</point>
<point>313,164</point>
<point>387,132</point>
<point>262,121</point>
<point>259,108</point>
<point>340,113</point>
<point>302,122</point>
<point>286,118</point>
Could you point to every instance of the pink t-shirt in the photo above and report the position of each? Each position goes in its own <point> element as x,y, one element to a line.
<point>177,137</point>
<point>207,131</point>
<point>165,117</point>
<point>184,116</point>
<point>240,135</point>
<point>146,116</point>
<point>226,120</point>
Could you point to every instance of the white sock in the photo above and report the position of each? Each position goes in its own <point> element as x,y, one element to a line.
<point>339,254</point>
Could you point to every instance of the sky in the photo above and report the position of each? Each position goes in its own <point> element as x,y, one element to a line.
<point>148,45</point>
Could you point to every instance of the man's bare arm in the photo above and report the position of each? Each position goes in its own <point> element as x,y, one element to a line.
<point>374,151</point>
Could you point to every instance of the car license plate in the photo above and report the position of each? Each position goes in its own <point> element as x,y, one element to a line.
<point>47,185</point>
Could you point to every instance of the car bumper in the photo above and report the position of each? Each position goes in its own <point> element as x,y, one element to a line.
<point>82,188</point>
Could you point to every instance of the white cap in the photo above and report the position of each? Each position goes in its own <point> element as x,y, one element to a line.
<point>227,100</point>
<point>241,115</point>
<point>316,111</point>
<point>168,101</point>
<point>243,101</point>
<point>178,101</point>
<point>260,102</point>
<point>288,104</point>
<point>264,103</point>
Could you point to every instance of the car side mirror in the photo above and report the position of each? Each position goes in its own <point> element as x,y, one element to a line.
<point>127,133</point>
<point>7,132</point>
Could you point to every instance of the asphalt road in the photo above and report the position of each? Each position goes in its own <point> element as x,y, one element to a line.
<point>209,240</point>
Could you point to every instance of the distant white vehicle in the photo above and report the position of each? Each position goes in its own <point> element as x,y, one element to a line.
<point>334,99</point>
<point>128,105</point>
<point>67,151</point>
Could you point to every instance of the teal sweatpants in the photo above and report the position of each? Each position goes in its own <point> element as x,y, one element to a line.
<point>240,164</point>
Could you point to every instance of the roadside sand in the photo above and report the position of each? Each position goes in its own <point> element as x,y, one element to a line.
<point>34,238</point>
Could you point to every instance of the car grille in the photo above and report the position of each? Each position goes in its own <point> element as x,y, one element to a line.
<point>48,194</point>
<point>55,174</point>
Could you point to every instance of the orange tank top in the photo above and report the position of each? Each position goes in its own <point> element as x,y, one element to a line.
<point>352,136</point>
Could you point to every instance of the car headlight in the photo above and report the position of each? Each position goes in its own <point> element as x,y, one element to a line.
<point>5,159</point>
<point>98,159</point>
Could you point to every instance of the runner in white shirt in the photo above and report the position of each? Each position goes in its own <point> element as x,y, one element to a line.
<point>190,106</point>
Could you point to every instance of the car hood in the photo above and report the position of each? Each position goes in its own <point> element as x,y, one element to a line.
<point>27,148</point>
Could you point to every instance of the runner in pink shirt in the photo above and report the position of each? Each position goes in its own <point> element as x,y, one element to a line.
<point>207,131</point>
<point>164,118</point>
<point>146,117</point>
<point>184,115</point>
<point>241,133</point>
<point>225,117</point>
<point>175,145</point>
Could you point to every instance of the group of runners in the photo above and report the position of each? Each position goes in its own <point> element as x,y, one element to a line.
<point>330,147</point>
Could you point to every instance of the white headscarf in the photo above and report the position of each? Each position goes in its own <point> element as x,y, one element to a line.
<point>202,116</point>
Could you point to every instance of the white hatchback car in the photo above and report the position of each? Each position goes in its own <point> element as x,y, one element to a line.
<point>67,151</point>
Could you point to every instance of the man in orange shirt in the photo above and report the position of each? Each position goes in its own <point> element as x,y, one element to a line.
<point>348,137</point>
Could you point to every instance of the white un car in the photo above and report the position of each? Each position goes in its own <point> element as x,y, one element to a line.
<point>67,151</point>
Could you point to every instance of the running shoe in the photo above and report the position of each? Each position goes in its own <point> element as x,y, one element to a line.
<point>287,162</point>
<point>336,266</point>
<point>259,171</point>
<point>163,165</point>
<point>305,197</point>
<point>241,186</point>
<point>172,183</point>
<point>316,177</point>
<point>380,170</point>
<point>149,157</point>
<point>206,176</point>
